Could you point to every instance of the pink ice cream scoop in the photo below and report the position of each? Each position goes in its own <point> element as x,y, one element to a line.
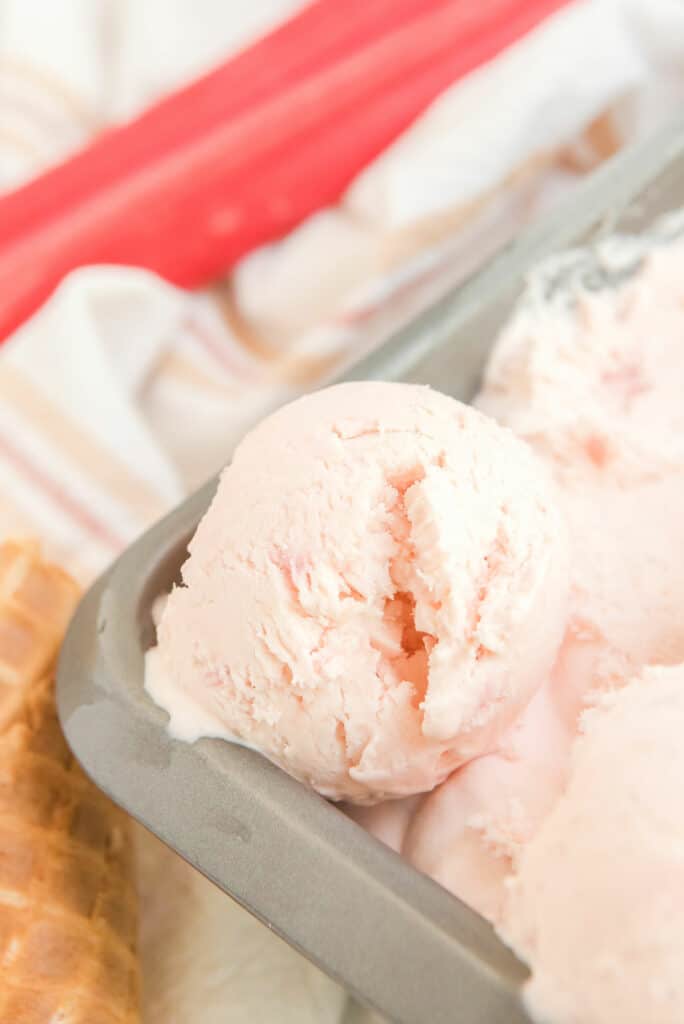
<point>597,905</point>
<point>376,592</point>
<point>596,390</point>
<point>469,832</point>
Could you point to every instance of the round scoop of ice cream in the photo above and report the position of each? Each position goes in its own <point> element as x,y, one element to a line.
<point>597,907</point>
<point>376,591</point>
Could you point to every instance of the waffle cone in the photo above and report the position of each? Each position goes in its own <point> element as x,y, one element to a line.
<point>67,904</point>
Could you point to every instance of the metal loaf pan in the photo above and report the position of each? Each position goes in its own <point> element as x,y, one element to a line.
<point>392,936</point>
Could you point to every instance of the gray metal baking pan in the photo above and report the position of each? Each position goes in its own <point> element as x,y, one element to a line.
<point>393,937</point>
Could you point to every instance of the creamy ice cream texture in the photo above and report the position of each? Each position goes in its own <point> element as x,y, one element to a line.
<point>597,902</point>
<point>594,902</point>
<point>376,592</point>
<point>468,833</point>
<point>594,384</point>
<point>401,571</point>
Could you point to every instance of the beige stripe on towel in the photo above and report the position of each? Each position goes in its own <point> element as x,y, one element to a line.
<point>98,463</point>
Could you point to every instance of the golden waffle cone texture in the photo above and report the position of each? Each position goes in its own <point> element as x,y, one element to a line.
<point>67,903</point>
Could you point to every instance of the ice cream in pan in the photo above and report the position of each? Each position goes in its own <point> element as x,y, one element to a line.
<point>394,596</point>
<point>369,545</point>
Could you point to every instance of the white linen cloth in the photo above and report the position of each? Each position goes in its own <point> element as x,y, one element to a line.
<point>123,393</point>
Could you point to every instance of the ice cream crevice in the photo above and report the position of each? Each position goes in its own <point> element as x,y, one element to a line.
<point>280,559</point>
<point>341,734</point>
<point>350,592</point>
<point>410,663</point>
<point>341,575</point>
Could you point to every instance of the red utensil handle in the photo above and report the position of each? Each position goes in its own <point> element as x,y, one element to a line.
<point>243,155</point>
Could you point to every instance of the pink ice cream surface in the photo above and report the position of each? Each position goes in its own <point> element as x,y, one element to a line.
<point>597,906</point>
<point>469,832</point>
<point>388,821</point>
<point>377,590</point>
<point>596,390</point>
